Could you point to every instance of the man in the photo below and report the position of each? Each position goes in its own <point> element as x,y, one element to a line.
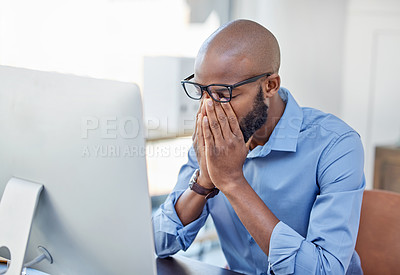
<point>290,179</point>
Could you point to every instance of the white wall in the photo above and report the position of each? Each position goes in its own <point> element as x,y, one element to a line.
<point>310,34</point>
<point>371,87</point>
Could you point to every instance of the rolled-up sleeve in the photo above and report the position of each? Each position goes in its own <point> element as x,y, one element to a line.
<point>170,235</point>
<point>334,219</point>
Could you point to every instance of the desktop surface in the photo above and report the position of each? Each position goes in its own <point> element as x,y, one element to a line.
<point>169,266</point>
<point>185,266</point>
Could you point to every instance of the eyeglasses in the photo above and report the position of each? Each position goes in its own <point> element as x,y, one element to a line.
<point>218,92</point>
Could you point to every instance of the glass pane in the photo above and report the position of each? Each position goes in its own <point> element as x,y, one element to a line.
<point>220,93</point>
<point>193,91</point>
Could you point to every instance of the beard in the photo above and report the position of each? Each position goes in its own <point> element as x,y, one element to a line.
<point>256,118</point>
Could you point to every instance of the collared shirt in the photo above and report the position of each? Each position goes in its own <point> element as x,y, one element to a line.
<point>310,175</point>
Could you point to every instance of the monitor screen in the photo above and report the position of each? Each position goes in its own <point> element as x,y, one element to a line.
<point>83,140</point>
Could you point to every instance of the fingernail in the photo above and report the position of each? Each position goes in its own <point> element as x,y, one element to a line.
<point>205,119</point>
<point>210,102</point>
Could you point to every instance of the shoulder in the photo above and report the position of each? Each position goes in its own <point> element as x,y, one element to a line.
<point>336,140</point>
<point>325,123</point>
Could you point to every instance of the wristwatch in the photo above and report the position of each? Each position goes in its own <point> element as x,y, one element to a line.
<point>194,186</point>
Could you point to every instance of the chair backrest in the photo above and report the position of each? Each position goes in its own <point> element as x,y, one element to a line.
<point>378,241</point>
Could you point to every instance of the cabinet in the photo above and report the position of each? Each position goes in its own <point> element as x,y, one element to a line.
<point>387,168</point>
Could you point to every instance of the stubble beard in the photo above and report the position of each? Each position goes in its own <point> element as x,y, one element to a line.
<point>256,118</point>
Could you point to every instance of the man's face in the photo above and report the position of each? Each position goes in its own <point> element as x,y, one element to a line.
<point>249,107</point>
<point>247,100</point>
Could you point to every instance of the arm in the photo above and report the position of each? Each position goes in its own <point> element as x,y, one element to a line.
<point>329,244</point>
<point>190,205</point>
<point>178,220</point>
<point>170,235</point>
<point>225,154</point>
<point>334,219</point>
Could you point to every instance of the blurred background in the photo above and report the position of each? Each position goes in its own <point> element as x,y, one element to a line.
<point>340,56</point>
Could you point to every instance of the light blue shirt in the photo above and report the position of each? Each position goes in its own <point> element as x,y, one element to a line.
<point>310,175</point>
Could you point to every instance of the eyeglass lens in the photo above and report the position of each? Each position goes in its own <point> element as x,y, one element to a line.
<point>218,93</point>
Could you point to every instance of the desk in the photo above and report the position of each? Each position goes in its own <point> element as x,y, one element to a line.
<point>170,266</point>
<point>185,266</point>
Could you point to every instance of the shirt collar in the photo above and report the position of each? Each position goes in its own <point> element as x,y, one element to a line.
<point>286,132</point>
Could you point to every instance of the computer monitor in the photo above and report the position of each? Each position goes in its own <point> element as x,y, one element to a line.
<point>83,140</point>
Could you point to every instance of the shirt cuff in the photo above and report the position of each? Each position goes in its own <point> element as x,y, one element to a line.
<point>171,224</point>
<point>285,253</point>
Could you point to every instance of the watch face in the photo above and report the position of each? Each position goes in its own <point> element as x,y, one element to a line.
<point>194,176</point>
<point>193,179</point>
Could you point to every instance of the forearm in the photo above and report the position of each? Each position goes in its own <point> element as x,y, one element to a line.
<point>189,206</point>
<point>252,211</point>
<point>170,234</point>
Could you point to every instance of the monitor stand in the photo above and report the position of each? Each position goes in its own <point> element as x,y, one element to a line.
<point>17,207</point>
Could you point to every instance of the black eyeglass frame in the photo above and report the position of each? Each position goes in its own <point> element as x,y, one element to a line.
<point>229,87</point>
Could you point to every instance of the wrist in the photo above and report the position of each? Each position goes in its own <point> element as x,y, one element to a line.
<point>231,184</point>
<point>205,182</point>
<point>208,193</point>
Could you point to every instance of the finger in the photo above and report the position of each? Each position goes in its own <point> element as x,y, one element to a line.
<point>196,144</point>
<point>196,119</point>
<point>212,120</point>
<point>203,108</point>
<point>223,120</point>
<point>195,126</point>
<point>200,107</point>
<point>195,139</point>
<point>232,119</point>
<point>208,136</point>
<point>199,136</point>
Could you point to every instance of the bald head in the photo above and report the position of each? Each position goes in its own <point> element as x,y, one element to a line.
<point>243,42</point>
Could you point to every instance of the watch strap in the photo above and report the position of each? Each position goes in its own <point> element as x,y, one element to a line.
<point>194,186</point>
<point>200,189</point>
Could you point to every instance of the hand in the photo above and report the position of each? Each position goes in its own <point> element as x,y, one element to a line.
<point>225,148</point>
<point>199,147</point>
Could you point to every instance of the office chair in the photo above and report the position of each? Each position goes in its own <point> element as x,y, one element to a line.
<point>378,241</point>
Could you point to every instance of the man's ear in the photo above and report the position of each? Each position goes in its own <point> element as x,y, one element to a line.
<point>272,85</point>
